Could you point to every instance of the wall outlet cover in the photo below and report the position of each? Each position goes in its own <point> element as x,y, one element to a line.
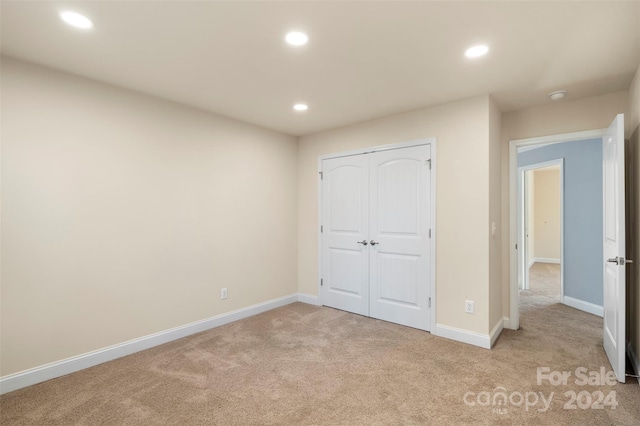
<point>469,306</point>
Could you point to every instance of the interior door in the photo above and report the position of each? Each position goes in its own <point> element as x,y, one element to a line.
<point>399,233</point>
<point>345,232</point>
<point>614,246</point>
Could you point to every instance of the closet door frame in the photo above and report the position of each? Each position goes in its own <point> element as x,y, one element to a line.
<point>427,141</point>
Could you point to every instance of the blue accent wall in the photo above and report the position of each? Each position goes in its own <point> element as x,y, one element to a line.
<point>583,256</point>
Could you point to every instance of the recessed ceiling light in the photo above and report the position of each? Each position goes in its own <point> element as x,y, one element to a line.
<point>76,20</point>
<point>300,107</point>
<point>476,51</point>
<point>296,38</point>
<point>557,95</point>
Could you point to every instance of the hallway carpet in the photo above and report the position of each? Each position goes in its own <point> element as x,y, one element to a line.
<point>308,365</point>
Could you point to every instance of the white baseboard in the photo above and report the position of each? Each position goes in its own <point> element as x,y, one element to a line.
<point>531,262</point>
<point>464,336</point>
<point>309,299</point>
<point>546,260</point>
<point>583,306</point>
<point>495,332</point>
<point>635,363</point>
<point>506,323</point>
<point>70,365</point>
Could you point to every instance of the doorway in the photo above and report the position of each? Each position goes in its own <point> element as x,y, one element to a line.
<point>610,231</point>
<point>541,217</point>
<point>581,259</point>
<point>541,223</point>
<point>541,201</point>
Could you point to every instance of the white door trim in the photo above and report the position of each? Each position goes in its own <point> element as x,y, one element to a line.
<point>514,314</point>
<point>432,225</point>
<point>427,141</point>
<point>522,266</point>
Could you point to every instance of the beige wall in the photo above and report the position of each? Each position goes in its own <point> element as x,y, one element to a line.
<point>124,215</point>
<point>462,205</point>
<point>547,213</point>
<point>595,112</point>
<point>633,118</point>
<point>495,216</point>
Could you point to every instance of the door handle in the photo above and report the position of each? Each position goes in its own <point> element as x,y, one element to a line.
<point>373,243</point>
<point>619,260</point>
<point>363,242</point>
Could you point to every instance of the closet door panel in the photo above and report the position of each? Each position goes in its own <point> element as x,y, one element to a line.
<point>399,231</point>
<point>345,221</point>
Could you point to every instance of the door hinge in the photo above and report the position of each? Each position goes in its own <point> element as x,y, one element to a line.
<point>321,229</point>
<point>429,232</point>
<point>321,283</point>
<point>428,163</point>
<point>516,247</point>
<point>321,176</point>
<point>429,302</point>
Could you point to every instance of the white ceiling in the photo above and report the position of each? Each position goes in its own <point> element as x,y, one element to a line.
<point>364,59</point>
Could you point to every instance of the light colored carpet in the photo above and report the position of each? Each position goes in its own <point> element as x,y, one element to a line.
<point>306,365</point>
<point>544,288</point>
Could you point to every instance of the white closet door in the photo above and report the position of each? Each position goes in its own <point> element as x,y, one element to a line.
<point>399,230</point>
<point>345,221</point>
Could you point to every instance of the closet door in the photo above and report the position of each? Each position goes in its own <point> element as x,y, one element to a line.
<point>345,222</point>
<point>399,233</point>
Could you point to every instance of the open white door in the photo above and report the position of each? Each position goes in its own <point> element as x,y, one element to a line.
<point>614,246</point>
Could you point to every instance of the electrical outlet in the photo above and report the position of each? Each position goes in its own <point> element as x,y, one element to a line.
<point>223,293</point>
<point>469,306</point>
